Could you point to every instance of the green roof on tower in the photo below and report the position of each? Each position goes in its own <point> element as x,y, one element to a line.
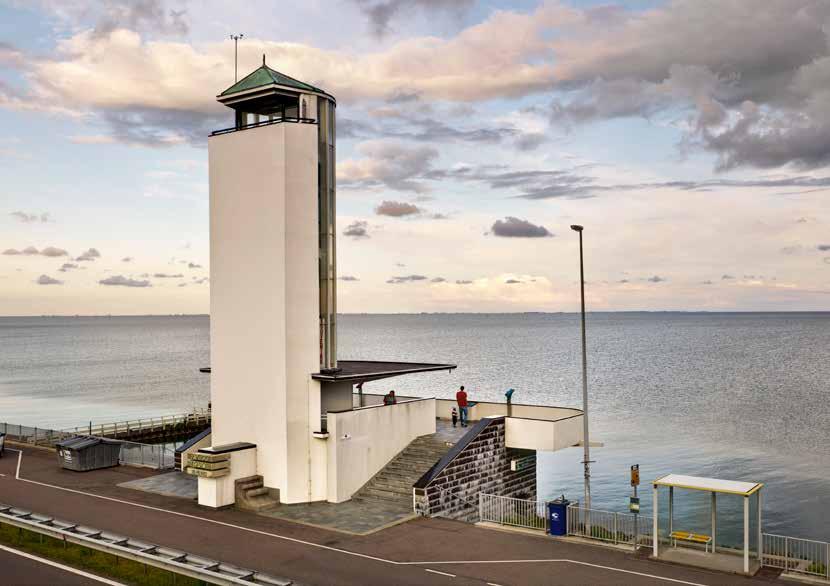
<point>265,76</point>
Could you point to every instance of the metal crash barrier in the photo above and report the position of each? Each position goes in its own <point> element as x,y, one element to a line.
<point>172,560</point>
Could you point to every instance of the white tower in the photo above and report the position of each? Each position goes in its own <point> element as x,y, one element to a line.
<point>273,275</point>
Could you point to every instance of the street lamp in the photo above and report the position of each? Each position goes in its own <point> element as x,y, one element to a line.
<point>585,440</point>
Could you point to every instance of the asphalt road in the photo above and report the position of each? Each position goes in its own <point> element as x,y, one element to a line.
<point>16,570</point>
<point>424,551</point>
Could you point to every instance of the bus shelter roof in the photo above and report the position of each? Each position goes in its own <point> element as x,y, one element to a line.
<point>709,484</point>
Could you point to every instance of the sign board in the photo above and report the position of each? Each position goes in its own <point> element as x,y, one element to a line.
<point>635,475</point>
<point>522,463</point>
<point>634,504</point>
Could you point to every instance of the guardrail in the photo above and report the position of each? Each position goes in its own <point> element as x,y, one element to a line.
<point>616,528</point>
<point>799,556</point>
<point>168,559</point>
<point>512,511</point>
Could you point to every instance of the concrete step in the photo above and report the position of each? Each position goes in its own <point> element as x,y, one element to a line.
<point>386,492</point>
<point>255,492</point>
<point>259,504</point>
<point>252,485</point>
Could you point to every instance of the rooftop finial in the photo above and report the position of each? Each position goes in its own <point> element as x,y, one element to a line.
<point>263,59</point>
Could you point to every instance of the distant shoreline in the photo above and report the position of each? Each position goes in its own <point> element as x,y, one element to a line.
<point>624,312</point>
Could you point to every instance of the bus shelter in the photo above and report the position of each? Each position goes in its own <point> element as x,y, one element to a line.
<point>709,557</point>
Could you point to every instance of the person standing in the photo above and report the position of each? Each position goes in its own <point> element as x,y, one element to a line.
<point>461,399</point>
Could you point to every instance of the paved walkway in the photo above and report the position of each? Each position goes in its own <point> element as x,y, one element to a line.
<point>175,484</point>
<point>423,551</point>
<point>21,569</point>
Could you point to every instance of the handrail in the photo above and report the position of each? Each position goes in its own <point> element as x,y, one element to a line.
<point>294,119</point>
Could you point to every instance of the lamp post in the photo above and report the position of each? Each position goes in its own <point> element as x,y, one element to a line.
<point>235,55</point>
<point>585,440</point>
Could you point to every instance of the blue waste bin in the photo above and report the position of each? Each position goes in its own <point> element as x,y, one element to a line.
<point>558,516</point>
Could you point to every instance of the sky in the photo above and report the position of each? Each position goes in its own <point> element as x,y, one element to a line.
<point>691,138</point>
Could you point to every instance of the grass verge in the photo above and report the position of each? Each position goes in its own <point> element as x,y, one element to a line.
<point>90,560</point>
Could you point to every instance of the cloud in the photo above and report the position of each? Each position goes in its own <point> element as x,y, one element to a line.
<point>623,281</point>
<point>348,278</point>
<point>30,218</point>
<point>463,282</point>
<point>656,279</point>
<point>47,280</point>
<point>823,247</point>
<point>67,266</point>
<point>397,209</point>
<point>357,230</point>
<point>168,276</point>
<point>727,277</point>
<point>438,280</point>
<point>90,255</point>
<point>754,92</point>
<point>707,282</point>
<point>387,164</point>
<point>127,259</point>
<point>92,139</point>
<point>512,282</point>
<point>512,227</point>
<point>49,251</point>
<point>381,12</point>
<point>52,251</point>
<point>151,16</point>
<point>121,281</point>
<point>193,265</point>
<point>406,279</point>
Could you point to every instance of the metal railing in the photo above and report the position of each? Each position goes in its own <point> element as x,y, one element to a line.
<point>158,456</point>
<point>196,417</point>
<point>800,556</point>
<point>279,120</point>
<point>616,528</point>
<point>512,511</point>
<point>171,560</point>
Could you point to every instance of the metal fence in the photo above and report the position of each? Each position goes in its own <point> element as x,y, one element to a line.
<point>617,528</point>
<point>510,511</point>
<point>158,456</point>
<point>801,556</point>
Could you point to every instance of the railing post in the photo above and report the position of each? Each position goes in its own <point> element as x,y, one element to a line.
<point>786,554</point>
<point>481,506</point>
<point>827,561</point>
<point>615,528</point>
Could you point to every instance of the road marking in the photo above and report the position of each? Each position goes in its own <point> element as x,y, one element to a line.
<point>344,551</point>
<point>437,572</point>
<point>550,561</point>
<point>492,584</point>
<point>60,566</point>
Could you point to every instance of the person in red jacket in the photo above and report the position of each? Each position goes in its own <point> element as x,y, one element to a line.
<point>461,399</point>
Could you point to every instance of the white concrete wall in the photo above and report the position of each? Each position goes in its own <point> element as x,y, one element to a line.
<point>540,435</point>
<point>363,441</point>
<point>264,298</point>
<point>487,409</point>
<point>220,492</point>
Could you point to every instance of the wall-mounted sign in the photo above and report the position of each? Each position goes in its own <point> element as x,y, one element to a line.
<point>634,504</point>
<point>522,463</point>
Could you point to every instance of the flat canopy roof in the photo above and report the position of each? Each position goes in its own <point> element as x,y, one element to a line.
<point>367,370</point>
<point>709,484</point>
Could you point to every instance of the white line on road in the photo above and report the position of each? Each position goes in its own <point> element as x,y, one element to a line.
<point>343,551</point>
<point>492,584</point>
<point>437,572</point>
<point>549,561</point>
<point>60,566</point>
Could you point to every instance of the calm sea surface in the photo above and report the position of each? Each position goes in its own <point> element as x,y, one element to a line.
<point>739,396</point>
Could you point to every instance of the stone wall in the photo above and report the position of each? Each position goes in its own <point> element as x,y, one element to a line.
<point>480,462</point>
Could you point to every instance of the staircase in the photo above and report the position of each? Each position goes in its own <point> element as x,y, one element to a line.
<point>251,495</point>
<point>392,486</point>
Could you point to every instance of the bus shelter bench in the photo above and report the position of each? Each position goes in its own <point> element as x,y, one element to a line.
<point>691,537</point>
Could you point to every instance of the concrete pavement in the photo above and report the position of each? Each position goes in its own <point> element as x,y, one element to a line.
<point>20,569</point>
<point>423,551</point>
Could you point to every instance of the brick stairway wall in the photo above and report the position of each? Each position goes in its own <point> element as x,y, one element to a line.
<point>483,465</point>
